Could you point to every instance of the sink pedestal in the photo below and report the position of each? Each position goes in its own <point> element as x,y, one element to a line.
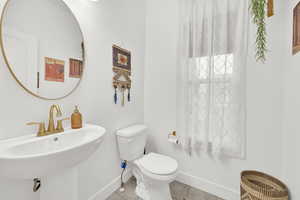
<point>63,186</point>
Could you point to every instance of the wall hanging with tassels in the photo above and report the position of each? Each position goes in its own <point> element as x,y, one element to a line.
<point>122,70</point>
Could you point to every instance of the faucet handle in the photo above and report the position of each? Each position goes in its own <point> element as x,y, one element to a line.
<point>60,127</point>
<point>42,129</point>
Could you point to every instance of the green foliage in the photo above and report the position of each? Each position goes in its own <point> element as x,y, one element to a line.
<point>258,11</point>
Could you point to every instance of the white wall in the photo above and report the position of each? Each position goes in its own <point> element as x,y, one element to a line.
<point>264,104</point>
<point>103,24</point>
<point>291,109</point>
<point>123,23</point>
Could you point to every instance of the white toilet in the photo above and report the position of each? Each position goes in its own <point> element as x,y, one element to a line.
<point>153,171</point>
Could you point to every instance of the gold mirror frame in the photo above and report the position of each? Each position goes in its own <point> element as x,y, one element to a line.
<point>11,70</point>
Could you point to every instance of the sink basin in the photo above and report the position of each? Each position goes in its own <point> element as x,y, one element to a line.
<point>32,157</point>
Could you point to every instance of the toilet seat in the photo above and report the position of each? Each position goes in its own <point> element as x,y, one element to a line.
<point>157,164</point>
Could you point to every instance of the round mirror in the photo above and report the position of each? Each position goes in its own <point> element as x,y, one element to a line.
<point>43,47</point>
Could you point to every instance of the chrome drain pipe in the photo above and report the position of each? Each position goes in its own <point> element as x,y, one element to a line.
<point>36,184</point>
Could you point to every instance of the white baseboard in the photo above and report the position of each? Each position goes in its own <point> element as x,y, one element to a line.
<point>196,182</point>
<point>110,188</point>
<point>208,186</point>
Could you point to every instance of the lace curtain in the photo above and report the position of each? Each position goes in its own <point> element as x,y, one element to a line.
<point>212,57</point>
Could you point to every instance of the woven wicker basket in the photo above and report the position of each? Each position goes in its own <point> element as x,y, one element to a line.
<point>259,186</point>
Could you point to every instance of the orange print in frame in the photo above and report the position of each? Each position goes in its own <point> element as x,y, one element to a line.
<point>76,68</point>
<point>54,70</point>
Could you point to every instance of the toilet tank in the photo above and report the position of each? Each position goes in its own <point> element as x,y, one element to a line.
<point>132,142</point>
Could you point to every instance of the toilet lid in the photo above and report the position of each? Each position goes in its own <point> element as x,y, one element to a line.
<point>158,164</point>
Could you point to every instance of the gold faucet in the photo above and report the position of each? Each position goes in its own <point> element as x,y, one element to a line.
<point>51,128</point>
<point>42,130</point>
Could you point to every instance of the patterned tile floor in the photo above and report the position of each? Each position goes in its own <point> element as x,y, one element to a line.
<point>179,191</point>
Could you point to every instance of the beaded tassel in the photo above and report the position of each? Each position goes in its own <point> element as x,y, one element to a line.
<point>116,96</point>
<point>123,97</point>
<point>128,96</point>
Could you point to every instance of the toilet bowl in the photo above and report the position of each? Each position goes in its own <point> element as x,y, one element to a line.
<point>153,171</point>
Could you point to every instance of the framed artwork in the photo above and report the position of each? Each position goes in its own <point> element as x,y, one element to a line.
<point>76,68</point>
<point>121,58</point>
<point>296,29</point>
<point>270,8</point>
<point>54,70</point>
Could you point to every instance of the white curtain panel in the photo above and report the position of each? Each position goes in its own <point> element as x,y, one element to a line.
<point>212,55</point>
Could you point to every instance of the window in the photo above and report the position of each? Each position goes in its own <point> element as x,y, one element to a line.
<point>211,85</point>
<point>211,82</point>
<point>222,67</point>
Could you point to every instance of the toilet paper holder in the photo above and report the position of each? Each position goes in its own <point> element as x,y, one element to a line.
<point>172,138</point>
<point>173,133</point>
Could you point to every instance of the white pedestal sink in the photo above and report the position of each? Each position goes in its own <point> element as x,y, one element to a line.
<point>32,157</point>
<point>50,158</point>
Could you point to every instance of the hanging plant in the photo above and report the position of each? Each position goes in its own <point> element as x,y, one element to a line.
<point>258,12</point>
